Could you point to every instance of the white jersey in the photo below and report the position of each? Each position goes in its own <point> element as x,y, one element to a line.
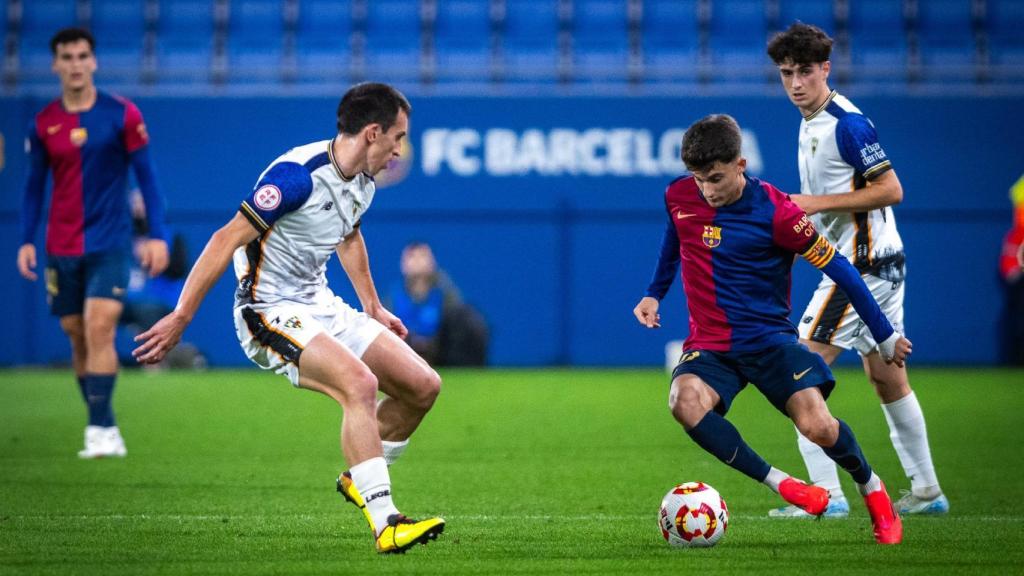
<point>839,152</point>
<point>303,207</point>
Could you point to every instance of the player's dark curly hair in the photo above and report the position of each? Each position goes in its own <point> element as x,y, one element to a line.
<point>801,43</point>
<point>714,138</point>
<point>370,103</point>
<point>69,35</point>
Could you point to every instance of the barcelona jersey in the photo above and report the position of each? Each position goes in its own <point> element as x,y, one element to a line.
<point>736,264</point>
<point>88,153</point>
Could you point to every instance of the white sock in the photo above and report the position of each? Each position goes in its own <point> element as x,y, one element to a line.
<point>910,439</point>
<point>374,484</point>
<point>774,478</point>
<point>392,450</point>
<point>820,468</point>
<point>874,485</point>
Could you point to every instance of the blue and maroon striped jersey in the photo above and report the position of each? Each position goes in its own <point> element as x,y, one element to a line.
<point>89,154</point>
<point>736,266</point>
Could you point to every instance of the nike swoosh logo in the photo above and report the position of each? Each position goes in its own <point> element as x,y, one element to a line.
<point>680,215</point>
<point>734,454</point>
<point>53,129</point>
<point>799,375</point>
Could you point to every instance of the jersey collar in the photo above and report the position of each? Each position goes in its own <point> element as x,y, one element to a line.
<point>337,168</point>
<point>824,105</point>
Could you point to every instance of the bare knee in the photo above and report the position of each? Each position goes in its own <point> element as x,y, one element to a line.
<point>99,332</point>
<point>358,389</point>
<point>426,390</point>
<point>687,403</point>
<point>75,332</point>
<point>819,427</point>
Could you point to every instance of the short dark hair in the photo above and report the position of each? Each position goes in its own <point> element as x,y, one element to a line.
<point>801,43</point>
<point>370,103</point>
<point>69,35</point>
<point>714,138</point>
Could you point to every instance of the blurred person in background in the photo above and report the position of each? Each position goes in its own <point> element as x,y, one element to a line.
<point>443,329</point>
<point>87,139</point>
<point>1011,269</point>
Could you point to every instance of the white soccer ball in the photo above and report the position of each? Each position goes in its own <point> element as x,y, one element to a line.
<point>693,515</point>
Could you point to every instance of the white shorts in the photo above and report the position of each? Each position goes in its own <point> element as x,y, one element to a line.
<point>273,336</point>
<point>831,319</point>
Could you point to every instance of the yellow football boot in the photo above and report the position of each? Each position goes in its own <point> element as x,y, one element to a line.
<point>348,489</point>
<point>402,533</point>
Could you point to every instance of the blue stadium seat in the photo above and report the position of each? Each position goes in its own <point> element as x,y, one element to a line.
<point>41,19</point>
<point>820,13</point>
<point>1006,41</point>
<point>393,39</point>
<point>119,27</point>
<point>323,40</point>
<point>947,40</point>
<point>878,40</point>
<point>739,34</point>
<point>670,40</point>
<point>255,38</point>
<point>530,40</point>
<point>184,40</point>
<point>600,40</point>
<point>462,39</point>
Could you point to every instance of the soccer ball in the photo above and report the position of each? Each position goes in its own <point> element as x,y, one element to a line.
<point>693,515</point>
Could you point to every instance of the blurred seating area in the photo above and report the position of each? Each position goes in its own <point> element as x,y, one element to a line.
<point>490,44</point>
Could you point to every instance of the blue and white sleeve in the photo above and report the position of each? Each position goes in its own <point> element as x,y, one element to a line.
<point>283,189</point>
<point>859,146</point>
<point>668,264</point>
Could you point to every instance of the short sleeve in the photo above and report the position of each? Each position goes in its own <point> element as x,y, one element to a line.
<point>283,189</point>
<point>135,135</point>
<point>858,145</point>
<point>791,228</point>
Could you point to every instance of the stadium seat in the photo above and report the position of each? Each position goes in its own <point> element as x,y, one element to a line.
<point>255,39</point>
<point>948,48</point>
<point>323,40</point>
<point>530,40</point>
<point>1006,43</point>
<point>462,40</point>
<point>119,27</point>
<point>878,41</point>
<point>184,40</point>
<point>670,40</point>
<point>739,34</point>
<point>820,13</point>
<point>393,40</point>
<point>40,20</point>
<point>600,40</point>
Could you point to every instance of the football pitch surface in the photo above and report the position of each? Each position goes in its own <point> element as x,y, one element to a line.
<point>539,471</point>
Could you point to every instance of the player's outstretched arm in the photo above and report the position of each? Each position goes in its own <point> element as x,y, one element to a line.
<point>646,312</point>
<point>885,190</point>
<point>356,262</point>
<point>156,342</point>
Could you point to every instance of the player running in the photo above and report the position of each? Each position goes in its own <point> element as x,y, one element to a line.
<point>88,138</point>
<point>736,237</point>
<point>847,187</point>
<point>307,205</point>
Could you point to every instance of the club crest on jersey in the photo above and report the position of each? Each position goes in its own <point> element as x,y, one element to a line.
<point>294,323</point>
<point>712,236</point>
<point>268,197</point>
<point>79,136</point>
<point>814,145</point>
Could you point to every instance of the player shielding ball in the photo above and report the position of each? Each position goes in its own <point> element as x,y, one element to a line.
<point>848,187</point>
<point>306,206</point>
<point>736,237</point>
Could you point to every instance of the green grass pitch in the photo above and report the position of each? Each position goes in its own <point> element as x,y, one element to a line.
<point>547,471</point>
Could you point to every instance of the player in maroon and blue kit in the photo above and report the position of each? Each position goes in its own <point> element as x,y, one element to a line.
<point>87,139</point>
<point>736,237</point>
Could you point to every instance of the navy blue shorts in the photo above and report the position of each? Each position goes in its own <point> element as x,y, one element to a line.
<point>777,372</point>
<point>72,279</point>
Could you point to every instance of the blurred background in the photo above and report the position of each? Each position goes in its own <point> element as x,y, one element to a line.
<point>543,135</point>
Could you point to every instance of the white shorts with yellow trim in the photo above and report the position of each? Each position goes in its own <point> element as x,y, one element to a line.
<point>831,319</point>
<point>273,336</point>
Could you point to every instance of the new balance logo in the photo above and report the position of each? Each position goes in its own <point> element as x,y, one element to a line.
<point>328,205</point>
<point>376,495</point>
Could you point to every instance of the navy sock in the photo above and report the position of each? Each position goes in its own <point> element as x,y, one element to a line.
<point>101,391</point>
<point>846,452</point>
<point>82,389</point>
<point>719,437</point>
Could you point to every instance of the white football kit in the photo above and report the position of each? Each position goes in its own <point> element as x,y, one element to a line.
<point>839,152</point>
<point>303,207</point>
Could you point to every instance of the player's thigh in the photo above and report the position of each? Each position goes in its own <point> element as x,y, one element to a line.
<point>890,381</point>
<point>329,367</point>
<point>828,352</point>
<point>100,317</point>
<point>707,378</point>
<point>400,371</point>
<point>785,370</point>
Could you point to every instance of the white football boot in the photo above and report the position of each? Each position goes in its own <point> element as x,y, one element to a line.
<point>103,442</point>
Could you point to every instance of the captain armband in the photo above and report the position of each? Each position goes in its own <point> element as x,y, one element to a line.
<point>820,253</point>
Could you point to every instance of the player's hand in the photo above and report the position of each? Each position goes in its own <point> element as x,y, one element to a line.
<point>153,256</point>
<point>647,312</point>
<point>389,320</point>
<point>27,262</point>
<point>163,336</point>
<point>807,202</point>
<point>896,349</point>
